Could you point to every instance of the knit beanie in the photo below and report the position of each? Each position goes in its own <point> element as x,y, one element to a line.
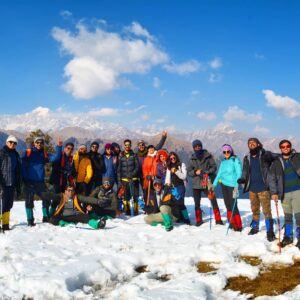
<point>196,143</point>
<point>227,147</point>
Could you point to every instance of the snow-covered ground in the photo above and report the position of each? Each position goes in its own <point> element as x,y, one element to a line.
<point>47,262</point>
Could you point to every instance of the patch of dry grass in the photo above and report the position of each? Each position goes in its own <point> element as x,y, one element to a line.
<point>142,269</point>
<point>251,260</point>
<point>272,280</point>
<point>205,266</point>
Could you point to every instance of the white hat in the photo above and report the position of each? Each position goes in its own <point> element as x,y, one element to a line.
<point>38,138</point>
<point>12,138</point>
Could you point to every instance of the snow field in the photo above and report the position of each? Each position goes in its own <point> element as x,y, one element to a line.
<point>76,262</point>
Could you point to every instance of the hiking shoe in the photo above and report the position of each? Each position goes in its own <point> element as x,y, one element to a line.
<point>219,222</point>
<point>286,241</point>
<point>253,231</point>
<point>45,220</point>
<point>5,227</point>
<point>238,229</point>
<point>101,223</point>
<point>270,236</point>
<point>199,223</point>
<point>31,222</point>
<point>169,228</point>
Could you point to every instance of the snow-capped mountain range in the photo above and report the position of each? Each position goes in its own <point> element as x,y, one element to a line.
<point>86,127</point>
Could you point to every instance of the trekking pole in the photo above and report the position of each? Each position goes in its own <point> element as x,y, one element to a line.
<point>278,223</point>
<point>234,204</point>
<point>210,216</point>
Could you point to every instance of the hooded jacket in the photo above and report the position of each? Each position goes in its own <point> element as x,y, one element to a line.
<point>83,167</point>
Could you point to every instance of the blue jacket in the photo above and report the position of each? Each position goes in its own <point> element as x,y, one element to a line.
<point>229,172</point>
<point>110,167</point>
<point>33,163</point>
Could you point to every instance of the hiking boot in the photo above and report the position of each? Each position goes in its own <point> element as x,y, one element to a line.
<point>286,241</point>
<point>169,228</point>
<point>101,223</point>
<point>5,227</point>
<point>253,231</point>
<point>45,220</point>
<point>199,223</point>
<point>219,222</point>
<point>31,223</point>
<point>239,229</point>
<point>270,236</point>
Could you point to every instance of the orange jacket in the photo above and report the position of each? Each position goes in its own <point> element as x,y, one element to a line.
<point>149,168</point>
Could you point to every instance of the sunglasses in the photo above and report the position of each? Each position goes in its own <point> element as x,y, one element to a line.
<point>173,158</point>
<point>94,146</point>
<point>106,182</point>
<point>69,148</point>
<point>14,143</point>
<point>39,143</point>
<point>141,145</point>
<point>127,145</point>
<point>285,147</point>
<point>226,152</point>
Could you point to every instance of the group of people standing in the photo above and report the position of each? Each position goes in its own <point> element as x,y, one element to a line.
<point>89,187</point>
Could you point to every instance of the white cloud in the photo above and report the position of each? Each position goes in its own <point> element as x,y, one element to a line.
<point>213,78</point>
<point>195,93</point>
<point>100,58</point>
<point>184,68</point>
<point>127,103</point>
<point>235,113</point>
<point>156,82</point>
<point>208,116</point>
<point>285,105</point>
<point>161,120</point>
<point>65,13</point>
<point>138,30</point>
<point>261,130</point>
<point>104,112</point>
<point>216,63</point>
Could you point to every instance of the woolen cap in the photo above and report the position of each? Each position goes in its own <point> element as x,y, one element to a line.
<point>12,138</point>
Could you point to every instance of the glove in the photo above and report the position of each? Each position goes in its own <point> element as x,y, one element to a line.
<point>235,193</point>
<point>149,177</point>
<point>241,181</point>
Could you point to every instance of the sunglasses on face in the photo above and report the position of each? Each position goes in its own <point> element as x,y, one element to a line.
<point>141,145</point>
<point>285,147</point>
<point>14,143</point>
<point>69,148</point>
<point>127,145</point>
<point>172,158</point>
<point>39,143</point>
<point>94,146</point>
<point>226,152</point>
<point>106,183</point>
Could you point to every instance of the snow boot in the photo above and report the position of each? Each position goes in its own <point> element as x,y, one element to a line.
<point>126,207</point>
<point>5,220</point>
<point>237,223</point>
<point>298,237</point>
<point>198,215</point>
<point>185,217</point>
<point>63,223</point>
<point>218,216</point>
<point>288,235</point>
<point>45,211</point>
<point>51,211</point>
<point>270,230</point>
<point>168,222</point>
<point>30,218</point>
<point>231,225</point>
<point>254,227</point>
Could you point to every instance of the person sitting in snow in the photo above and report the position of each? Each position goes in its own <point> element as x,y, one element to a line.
<point>169,209</point>
<point>71,209</point>
<point>107,199</point>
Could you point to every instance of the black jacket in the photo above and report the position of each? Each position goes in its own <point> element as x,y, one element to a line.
<point>265,158</point>
<point>5,169</point>
<point>207,164</point>
<point>168,199</point>
<point>97,164</point>
<point>276,178</point>
<point>128,166</point>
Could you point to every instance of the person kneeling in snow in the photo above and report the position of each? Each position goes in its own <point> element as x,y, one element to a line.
<point>168,207</point>
<point>71,209</point>
<point>107,204</point>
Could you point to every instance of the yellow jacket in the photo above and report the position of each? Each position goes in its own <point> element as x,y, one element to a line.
<point>83,168</point>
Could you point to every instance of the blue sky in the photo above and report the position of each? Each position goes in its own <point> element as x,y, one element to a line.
<point>180,65</point>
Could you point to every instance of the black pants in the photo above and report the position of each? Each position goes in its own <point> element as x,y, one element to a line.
<point>95,182</point>
<point>197,199</point>
<point>33,188</point>
<point>80,218</point>
<point>131,190</point>
<point>7,198</point>
<point>227,192</point>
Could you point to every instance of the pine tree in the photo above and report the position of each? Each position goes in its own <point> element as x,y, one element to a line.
<point>48,146</point>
